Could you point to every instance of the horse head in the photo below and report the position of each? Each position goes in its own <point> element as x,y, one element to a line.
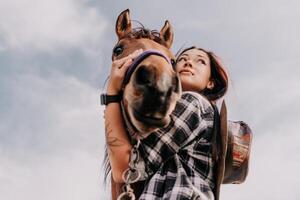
<point>151,91</point>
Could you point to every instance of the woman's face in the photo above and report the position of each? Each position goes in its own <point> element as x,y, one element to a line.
<point>193,67</point>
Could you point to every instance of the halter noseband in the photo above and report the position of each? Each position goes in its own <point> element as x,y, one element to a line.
<point>139,59</point>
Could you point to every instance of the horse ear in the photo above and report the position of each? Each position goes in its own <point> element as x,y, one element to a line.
<point>166,34</point>
<point>123,24</point>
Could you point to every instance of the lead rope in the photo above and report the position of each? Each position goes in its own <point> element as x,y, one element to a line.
<point>131,175</point>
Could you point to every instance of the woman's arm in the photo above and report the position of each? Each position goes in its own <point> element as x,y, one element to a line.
<point>118,144</point>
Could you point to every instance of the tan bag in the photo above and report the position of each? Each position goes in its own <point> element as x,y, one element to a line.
<point>238,152</point>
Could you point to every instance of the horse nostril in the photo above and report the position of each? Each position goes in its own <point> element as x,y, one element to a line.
<point>142,76</point>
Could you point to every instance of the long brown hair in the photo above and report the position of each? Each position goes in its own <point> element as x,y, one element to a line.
<point>218,76</point>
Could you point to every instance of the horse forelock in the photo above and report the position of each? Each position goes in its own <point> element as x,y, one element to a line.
<point>142,32</point>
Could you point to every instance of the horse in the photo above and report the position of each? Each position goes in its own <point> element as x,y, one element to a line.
<point>152,88</point>
<point>150,94</point>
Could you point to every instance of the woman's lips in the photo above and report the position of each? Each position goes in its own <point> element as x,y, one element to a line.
<point>186,72</point>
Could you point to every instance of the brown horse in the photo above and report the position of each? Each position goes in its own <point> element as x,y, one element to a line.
<point>151,93</point>
<point>153,88</point>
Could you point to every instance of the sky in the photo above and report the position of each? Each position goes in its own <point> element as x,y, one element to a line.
<point>55,56</point>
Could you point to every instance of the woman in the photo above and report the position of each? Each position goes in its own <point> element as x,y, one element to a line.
<point>183,166</point>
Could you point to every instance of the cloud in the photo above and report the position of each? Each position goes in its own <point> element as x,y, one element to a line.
<point>51,126</point>
<point>48,25</point>
<point>269,95</point>
<point>52,139</point>
<point>50,111</point>
<point>66,176</point>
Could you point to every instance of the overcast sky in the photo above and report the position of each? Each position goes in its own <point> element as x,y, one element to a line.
<point>55,55</point>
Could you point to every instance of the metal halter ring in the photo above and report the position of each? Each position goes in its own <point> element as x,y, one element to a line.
<point>131,176</point>
<point>126,196</point>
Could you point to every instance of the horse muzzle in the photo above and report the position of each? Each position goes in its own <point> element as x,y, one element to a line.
<point>151,121</point>
<point>151,94</point>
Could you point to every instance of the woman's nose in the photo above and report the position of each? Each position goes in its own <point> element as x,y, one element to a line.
<point>188,63</point>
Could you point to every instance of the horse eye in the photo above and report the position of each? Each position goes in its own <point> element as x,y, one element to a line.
<point>118,50</point>
<point>173,62</point>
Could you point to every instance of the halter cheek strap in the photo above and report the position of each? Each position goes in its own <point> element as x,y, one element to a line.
<point>139,59</point>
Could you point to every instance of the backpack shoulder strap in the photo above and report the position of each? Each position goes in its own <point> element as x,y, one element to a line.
<point>219,145</point>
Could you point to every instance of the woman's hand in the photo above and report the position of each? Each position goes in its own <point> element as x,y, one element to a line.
<point>118,70</point>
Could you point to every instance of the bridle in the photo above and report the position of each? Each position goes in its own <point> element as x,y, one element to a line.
<point>140,58</point>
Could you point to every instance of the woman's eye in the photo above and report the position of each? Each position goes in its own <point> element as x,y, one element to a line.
<point>201,61</point>
<point>118,50</point>
<point>181,59</point>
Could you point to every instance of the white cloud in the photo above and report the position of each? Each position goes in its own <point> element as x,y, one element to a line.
<point>52,140</point>
<point>267,96</point>
<point>50,111</point>
<point>47,25</point>
<point>67,176</point>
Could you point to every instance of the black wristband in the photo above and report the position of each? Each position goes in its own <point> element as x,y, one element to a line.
<point>106,99</point>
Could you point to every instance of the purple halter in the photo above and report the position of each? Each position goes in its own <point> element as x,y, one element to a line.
<point>138,60</point>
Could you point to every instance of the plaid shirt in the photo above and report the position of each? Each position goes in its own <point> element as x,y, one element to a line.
<point>178,158</point>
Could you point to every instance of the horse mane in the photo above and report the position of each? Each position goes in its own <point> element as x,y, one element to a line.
<point>106,165</point>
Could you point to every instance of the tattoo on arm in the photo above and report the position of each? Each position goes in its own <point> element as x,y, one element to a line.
<point>111,140</point>
<point>114,142</point>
